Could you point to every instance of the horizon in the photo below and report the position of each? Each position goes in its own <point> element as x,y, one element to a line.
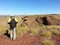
<point>29,14</point>
<point>29,7</point>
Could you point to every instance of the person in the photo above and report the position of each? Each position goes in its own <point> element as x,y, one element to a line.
<point>12,21</point>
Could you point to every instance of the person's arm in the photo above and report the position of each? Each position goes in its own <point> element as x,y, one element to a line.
<point>16,20</point>
<point>9,21</point>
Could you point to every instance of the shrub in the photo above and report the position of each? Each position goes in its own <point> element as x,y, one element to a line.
<point>22,30</point>
<point>46,33</point>
<point>57,32</point>
<point>47,42</point>
<point>34,32</point>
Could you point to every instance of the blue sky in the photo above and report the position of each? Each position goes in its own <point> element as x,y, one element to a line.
<point>29,7</point>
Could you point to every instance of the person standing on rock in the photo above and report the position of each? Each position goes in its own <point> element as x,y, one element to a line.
<point>12,21</point>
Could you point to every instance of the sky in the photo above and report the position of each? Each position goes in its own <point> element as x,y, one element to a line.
<point>18,7</point>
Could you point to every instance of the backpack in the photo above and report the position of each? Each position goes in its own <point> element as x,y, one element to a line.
<point>13,23</point>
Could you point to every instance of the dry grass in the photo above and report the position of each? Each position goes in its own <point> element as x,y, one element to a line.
<point>46,33</point>
<point>24,29</point>
<point>47,42</point>
<point>52,28</point>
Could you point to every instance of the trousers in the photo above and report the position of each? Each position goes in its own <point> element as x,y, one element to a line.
<point>13,34</point>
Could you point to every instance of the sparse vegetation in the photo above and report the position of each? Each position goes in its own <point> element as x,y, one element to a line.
<point>47,42</point>
<point>46,33</point>
<point>34,32</point>
<point>34,27</point>
<point>22,30</point>
<point>53,28</point>
<point>57,32</point>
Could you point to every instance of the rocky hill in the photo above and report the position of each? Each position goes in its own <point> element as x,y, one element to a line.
<point>34,29</point>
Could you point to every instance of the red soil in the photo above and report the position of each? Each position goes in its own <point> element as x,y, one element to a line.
<point>26,39</point>
<point>56,39</point>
